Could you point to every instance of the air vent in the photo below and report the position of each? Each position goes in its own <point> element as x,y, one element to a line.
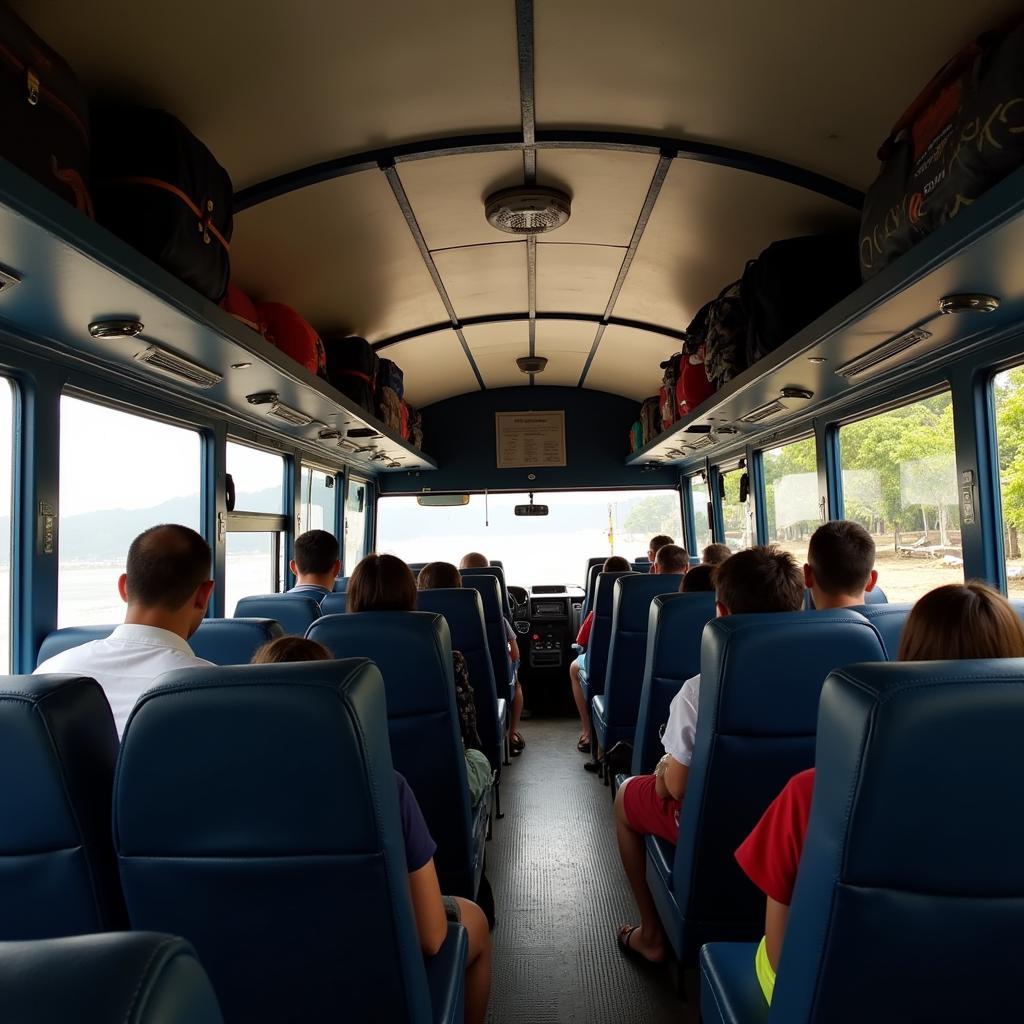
<point>527,210</point>
<point>277,410</point>
<point>701,442</point>
<point>171,365</point>
<point>880,353</point>
<point>763,412</point>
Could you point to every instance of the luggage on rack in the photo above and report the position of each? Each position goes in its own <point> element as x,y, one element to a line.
<point>241,307</point>
<point>963,134</point>
<point>693,387</point>
<point>650,418</point>
<point>725,343</point>
<point>389,409</point>
<point>791,284</point>
<point>389,375</point>
<point>636,437</point>
<point>352,369</point>
<point>44,113</point>
<point>415,428</point>
<point>290,333</point>
<point>667,393</point>
<point>161,190</point>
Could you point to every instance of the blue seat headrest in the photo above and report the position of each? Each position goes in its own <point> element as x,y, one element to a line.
<point>889,620</point>
<point>295,612</point>
<point>334,604</point>
<point>632,596</point>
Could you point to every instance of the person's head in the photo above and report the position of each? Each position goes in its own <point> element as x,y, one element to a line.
<point>840,565</point>
<point>657,542</point>
<point>381,583</point>
<point>761,579</point>
<point>671,560</point>
<point>167,582</point>
<point>616,563</point>
<point>474,560</point>
<point>438,575</point>
<point>290,648</point>
<point>715,554</point>
<point>317,558</point>
<point>699,578</point>
<point>962,620</point>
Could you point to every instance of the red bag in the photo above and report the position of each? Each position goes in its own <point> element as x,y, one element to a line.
<point>693,386</point>
<point>241,307</point>
<point>286,330</point>
<point>405,421</point>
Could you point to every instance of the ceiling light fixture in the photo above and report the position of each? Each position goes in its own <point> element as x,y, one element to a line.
<point>968,302</point>
<point>531,364</point>
<point>527,209</point>
<point>116,328</point>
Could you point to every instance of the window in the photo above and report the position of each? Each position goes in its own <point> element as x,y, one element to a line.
<point>119,475</point>
<point>254,564</point>
<point>699,508</point>
<point>899,482</point>
<point>6,516</point>
<point>738,513</point>
<point>258,477</point>
<point>791,496</point>
<point>1008,388</point>
<point>554,549</point>
<point>356,505</point>
<point>318,500</point>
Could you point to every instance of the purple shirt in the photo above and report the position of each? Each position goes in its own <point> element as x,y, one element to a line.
<point>419,844</point>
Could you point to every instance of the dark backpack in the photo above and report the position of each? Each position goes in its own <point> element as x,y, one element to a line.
<point>725,346</point>
<point>651,422</point>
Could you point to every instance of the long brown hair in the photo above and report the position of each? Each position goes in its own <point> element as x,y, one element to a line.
<point>381,583</point>
<point>962,620</point>
<point>438,575</point>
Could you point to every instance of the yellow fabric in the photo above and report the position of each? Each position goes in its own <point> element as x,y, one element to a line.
<point>765,974</point>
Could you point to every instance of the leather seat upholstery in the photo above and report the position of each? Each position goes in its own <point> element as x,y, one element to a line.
<point>643,566</point>
<point>889,620</point>
<point>58,747</point>
<point>341,585</point>
<point>615,711</point>
<point>593,568</point>
<point>497,644</point>
<point>129,977</point>
<point>593,673</point>
<point>414,654</point>
<point>256,812</point>
<point>295,612</point>
<point>761,676</point>
<point>872,597</point>
<point>335,603</point>
<point>499,574</point>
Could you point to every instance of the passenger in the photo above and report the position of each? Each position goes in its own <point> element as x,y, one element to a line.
<point>959,620</point>
<point>430,909</point>
<point>516,743</point>
<point>384,583</point>
<point>840,567</point>
<point>656,544</point>
<point>699,578</point>
<point>614,564</point>
<point>438,576</point>
<point>671,560</point>
<point>760,579</point>
<point>316,564</point>
<point>167,587</point>
<point>715,554</point>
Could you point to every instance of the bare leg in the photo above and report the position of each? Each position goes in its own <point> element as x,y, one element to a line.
<point>649,938</point>
<point>478,961</point>
<point>581,703</point>
<point>516,714</point>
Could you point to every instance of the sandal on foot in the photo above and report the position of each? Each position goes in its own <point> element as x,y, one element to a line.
<point>516,743</point>
<point>623,937</point>
<point>583,746</point>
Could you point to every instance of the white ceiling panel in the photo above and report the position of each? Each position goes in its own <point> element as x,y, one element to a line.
<point>435,367</point>
<point>484,279</point>
<point>627,362</point>
<point>575,278</point>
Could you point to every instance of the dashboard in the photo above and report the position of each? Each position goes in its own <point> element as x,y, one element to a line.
<point>547,619</point>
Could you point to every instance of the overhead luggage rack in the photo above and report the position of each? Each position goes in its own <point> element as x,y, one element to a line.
<point>69,273</point>
<point>888,330</point>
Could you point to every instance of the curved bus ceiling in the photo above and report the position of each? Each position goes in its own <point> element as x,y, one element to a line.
<point>363,138</point>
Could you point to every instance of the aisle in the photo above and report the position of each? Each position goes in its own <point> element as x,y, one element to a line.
<point>560,894</point>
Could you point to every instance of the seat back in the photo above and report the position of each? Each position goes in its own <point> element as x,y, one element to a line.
<point>497,644</point>
<point>643,566</point>
<point>600,633</point>
<point>593,569</point>
<point>341,585</point>
<point>58,747</point>
<point>417,567</point>
<point>414,654</point>
<point>499,574</point>
<point>464,612</point>
<point>675,625</point>
<point>889,620</point>
<point>295,612</point>
<point>255,811</point>
<point>334,604</point>
<point>872,597</point>
<point>631,615</point>
<point>220,641</point>
<point>761,676</point>
<point>921,866</point>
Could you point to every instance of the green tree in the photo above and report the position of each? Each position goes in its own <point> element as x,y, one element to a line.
<point>656,514</point>
<point>1009,406</point>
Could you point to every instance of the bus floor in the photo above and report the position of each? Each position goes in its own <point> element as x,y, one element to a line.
<point>560,895</point>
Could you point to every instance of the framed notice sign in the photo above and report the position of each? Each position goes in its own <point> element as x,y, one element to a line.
<point>530,439</point>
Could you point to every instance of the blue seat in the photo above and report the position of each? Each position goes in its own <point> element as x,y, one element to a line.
<point>593,672</point>
<point>58,747</point>
<point>643,566</point>
<point>220,641</point>
<point>923,867</point>
<point>295,612</point>
<point>676,624</point>
<point>334,604</point>
<point>761,676</point>
<point>499,574</point>
<point>889,620</point>
<point>256,812</point>
<point>341,585</point>
<point>494,623</point>
<point>872,597</point>
<point>414,654</point>
<point>594,567</point>
<point>129,977</point>
<point>464,612</point>
<point>615,711</point>
<point>417,567</point>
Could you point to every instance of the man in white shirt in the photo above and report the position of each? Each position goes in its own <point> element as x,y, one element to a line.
<point>316,563</point>
<point>167,587</point>
<point>760,579</point>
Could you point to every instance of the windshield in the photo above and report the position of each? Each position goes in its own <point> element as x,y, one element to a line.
<point>550,549</point>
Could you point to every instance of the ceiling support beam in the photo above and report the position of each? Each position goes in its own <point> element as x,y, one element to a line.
<point>524,43</point>
<point>531,289</point>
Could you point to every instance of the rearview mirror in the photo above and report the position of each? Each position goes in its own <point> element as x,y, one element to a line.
<point>531,510</point>
<point>441,500</point>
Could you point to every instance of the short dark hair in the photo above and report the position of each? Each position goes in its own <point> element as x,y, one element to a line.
<point>715,554</point>
<point>381,583</point>
<point>290,648</point>
<point>672,558</point>
<point>658,542</point>
<point>438,575</point>
<point>474,560</point>
<point>166,564</point>
<point>841,555</point>
<point>699,578</point>
<point>616,563</point>
<point>316,551</point>
<point>761,579</point>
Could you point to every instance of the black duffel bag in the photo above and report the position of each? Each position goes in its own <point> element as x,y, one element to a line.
<point>352,368</point>
<point>160,189</point>
<point>964,133</point>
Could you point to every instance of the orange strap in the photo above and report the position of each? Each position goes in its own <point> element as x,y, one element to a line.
<point>202,216</point>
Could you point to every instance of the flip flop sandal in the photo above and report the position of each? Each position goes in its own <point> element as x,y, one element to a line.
<point>583,746</point>
<point>516,743</point>
<point>624,935</point>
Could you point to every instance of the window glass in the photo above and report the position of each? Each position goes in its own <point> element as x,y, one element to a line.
<point>899,482</point>
<point>318,501</point>
<point>119,475</point>
<point>250,566</point>
<point>552,549</point>
<point>791,496</point>
<point>356,505</point>
<point>258,477</point>
<point>699,505</point>
<point>738,515</point>
<point>1009,404</point>
<point>6,515</point>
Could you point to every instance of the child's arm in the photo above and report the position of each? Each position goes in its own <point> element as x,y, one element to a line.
<point>428,908</point>
<point>775,917</point>
<point>513,649</point>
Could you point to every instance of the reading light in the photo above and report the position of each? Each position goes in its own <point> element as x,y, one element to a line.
<point>116,328</point>
<point>328,435</point>
<point>240,366</point>
<point>968,302</point>
<point>797,393</point>
<point>278,410</point>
